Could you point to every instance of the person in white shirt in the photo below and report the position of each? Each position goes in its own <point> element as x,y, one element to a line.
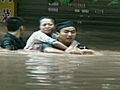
<point>67,34</point>
<point>44,35</point>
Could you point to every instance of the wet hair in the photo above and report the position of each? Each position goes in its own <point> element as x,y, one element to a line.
<point>65,24</point>
<point>47,17</point>
<point>14,23</point>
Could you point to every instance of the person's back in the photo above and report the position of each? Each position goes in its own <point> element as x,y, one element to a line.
<point>12,39</point>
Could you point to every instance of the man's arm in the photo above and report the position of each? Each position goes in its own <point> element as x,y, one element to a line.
<point>82,51</point>
<point>74,49</point>
<point>87,52</point>
<point>49,49</point>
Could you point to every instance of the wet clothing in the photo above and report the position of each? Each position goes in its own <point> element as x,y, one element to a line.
<point>37,38</point>
<point>11,42</point>
<point>44,45</point>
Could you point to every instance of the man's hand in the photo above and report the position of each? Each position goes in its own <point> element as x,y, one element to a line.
<point>81,51</point>
<point>72,46</point>
<point>87,52</point>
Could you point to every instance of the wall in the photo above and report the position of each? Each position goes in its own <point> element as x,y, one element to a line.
<point>80,11</point>
<point>98,24</point>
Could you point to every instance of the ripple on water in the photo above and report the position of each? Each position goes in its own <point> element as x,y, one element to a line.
<point>43,71</point>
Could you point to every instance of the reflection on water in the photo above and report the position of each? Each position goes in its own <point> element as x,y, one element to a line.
<point>43,71</point>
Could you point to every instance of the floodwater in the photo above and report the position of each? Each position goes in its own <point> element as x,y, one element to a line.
<point>20,70</point>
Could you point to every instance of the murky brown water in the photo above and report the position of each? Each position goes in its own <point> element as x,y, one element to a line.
<point>21,70</point>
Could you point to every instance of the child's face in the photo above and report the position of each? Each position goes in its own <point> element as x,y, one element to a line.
<point>47,25</point>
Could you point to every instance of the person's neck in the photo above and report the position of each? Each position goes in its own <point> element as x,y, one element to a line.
<point>65,43</point>
<point>17,33</point>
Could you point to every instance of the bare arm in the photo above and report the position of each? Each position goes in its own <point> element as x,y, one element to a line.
<point>82,51</point>
<point>40,37</point>
<point>60,45</point>
<point>87,52</point>
<point>72,46</point>
<point>72,51</point>
<point>53,50</point>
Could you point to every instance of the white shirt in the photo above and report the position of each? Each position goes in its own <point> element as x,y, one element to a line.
<point>36,39</point>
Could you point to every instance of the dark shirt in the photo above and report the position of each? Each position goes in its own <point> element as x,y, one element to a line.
<point>12,42</point>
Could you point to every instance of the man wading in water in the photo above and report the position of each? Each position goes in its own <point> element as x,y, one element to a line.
<point>66,34</point>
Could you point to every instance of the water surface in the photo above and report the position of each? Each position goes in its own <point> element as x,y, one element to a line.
<point>20,70</point>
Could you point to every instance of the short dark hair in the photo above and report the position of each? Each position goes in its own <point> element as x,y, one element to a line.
<point>65,24</point>
<point>13,23</point>
<point>47,17</point>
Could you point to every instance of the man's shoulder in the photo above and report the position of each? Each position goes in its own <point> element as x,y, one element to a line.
<point>8,38</point>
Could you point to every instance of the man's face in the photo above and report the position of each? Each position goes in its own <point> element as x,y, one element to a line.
<point>47,26</point>
<point>67,35</point>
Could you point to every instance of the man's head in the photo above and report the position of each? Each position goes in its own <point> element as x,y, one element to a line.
<point>66,31</point>
<point>14,23</point>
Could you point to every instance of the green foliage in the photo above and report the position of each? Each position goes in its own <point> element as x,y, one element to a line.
<point>90,1</point>
<point>66,1</point>
<point>114,2</point>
